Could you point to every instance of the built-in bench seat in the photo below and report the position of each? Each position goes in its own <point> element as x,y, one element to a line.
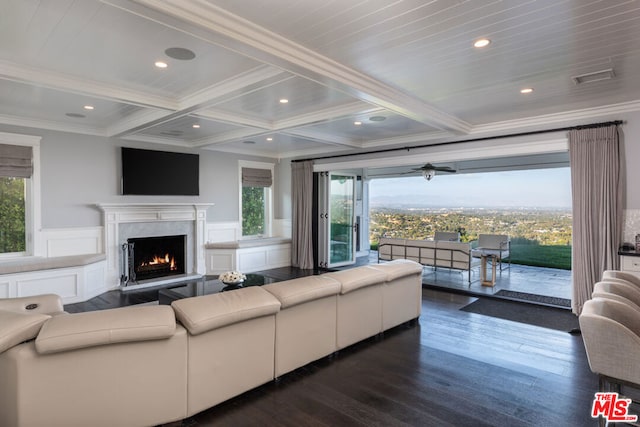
<point>248,243</point>
<point>248,255</point>
<point>75,277</point>
<point>21,265</point>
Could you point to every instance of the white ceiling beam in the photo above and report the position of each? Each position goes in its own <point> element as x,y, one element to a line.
<point>328,114</point>
<point>324,137</point>
<point>74,84</point>
<point>239,85</point>
<point>256,78</point>
<point>51,125</point>
<point>255,41</point>
<point>234,119</point>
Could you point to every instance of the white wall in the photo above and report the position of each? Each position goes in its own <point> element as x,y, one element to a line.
<point>79,171</point>
<point>631,154</point>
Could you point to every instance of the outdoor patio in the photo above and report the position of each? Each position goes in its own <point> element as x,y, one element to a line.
<point>521,282</point>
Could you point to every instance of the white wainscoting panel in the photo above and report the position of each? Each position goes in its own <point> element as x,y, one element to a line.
<point>4,289</point>
<point>248,260</point>
<point>72,241</point>
<point>223,232</point>
<point>62,283</point>
<point>73,284</point>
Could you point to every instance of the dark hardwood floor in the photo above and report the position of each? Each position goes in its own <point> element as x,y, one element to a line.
<point>451,368</point>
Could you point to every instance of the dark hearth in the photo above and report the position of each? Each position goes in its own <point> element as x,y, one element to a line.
<point>153,257</point>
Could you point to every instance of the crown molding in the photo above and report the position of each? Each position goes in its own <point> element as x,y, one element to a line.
<point>274,155</point>
<point>564,118</point>
<point>156,140</point>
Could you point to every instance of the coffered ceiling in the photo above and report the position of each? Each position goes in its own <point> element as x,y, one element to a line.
<point>406,71</point>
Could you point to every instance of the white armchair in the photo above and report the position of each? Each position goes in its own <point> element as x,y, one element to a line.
<point>611,335</point>
<point>498,245</point>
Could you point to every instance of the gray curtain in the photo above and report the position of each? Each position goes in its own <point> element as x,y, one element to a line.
<point>597,207</point>
<point>302,217</point>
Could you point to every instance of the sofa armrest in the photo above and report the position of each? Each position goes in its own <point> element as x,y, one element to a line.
<point>94,328</point>
<point>19,327</point>
<point>41,304</point>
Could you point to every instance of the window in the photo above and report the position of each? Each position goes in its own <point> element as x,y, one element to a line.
<point>19,194</point>
<point>256,198</point>
<point>13,237</point>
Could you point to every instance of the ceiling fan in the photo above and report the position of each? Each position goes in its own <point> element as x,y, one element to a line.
<point>429,170</point>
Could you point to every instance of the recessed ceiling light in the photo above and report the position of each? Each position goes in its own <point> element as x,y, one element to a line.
<point>357,123</point>
<point>481,43</point>
<point>377,118</point>
<point>88,107</point>
<point>161,64</point>
<point>76,115</point>
<point>269,139</point>
<point>284,101</point>
<point>180,53</point>
<point>526,90</point>
<point>196,126</point>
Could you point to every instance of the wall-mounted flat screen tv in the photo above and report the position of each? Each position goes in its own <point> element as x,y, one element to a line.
<point>159,173</point>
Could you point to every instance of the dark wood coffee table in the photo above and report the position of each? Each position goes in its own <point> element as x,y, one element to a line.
<point>208,286</point>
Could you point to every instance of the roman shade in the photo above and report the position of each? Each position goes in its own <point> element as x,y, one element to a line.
<point>253,177</point>
<point>15,161</point>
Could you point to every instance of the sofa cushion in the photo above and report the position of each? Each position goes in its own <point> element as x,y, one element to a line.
<point>303,289</point>
<point>19,327</point>
<point>398,268</point>
<point>356,278</point>
<point>204,313</point>
<point>93,328</point>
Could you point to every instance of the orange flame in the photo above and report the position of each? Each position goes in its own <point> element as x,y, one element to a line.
<point>166,259</point>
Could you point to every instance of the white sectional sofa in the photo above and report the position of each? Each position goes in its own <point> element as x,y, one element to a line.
<point>149,365</point>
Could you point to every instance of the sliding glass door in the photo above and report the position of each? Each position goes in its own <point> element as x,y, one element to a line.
<point>337,219</point>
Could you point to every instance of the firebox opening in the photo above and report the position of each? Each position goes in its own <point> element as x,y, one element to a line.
<point>152,257</point>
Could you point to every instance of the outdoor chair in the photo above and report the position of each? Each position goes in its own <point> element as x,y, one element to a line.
<point>451,236</point>
<point>494,245</point>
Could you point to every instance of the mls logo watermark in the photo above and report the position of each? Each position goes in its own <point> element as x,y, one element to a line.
<point>612,408</point>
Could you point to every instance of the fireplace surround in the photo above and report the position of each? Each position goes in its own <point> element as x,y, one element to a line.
<point>153,257</point>
<point>123,221</point>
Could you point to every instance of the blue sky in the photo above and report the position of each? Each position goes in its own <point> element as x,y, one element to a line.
<point>543,188</point>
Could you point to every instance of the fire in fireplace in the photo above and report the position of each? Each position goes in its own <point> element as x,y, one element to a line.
<point>153,257</point>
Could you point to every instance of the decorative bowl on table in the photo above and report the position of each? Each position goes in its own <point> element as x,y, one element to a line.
<point>232,278</point>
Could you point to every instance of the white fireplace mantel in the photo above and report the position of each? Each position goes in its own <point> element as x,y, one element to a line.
<point>119,213</point>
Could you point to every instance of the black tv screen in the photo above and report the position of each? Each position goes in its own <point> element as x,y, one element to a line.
<point>159,173</point>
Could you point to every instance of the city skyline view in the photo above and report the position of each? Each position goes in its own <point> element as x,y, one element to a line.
<point>533,188</point>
